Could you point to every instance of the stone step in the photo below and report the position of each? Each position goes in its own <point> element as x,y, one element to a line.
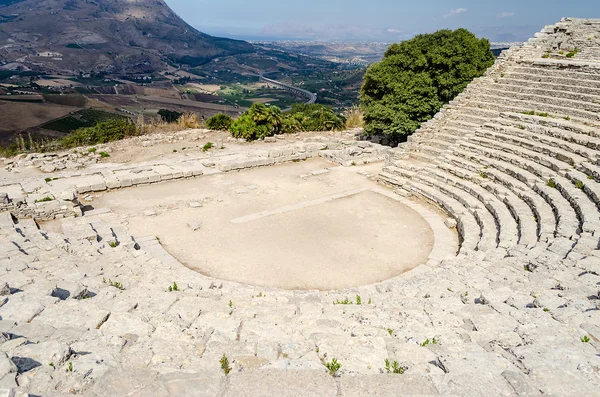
<point>577,83</point>
<point>519,209</point>
<point>467,225</point>
<point>511,137</point>
<point>505,223</point>
<point>489,230</point>
<point>551,72</point>
<point>570,126</point>
<point>549,86</point>
<point>489,100</point>
<point>583,145</point>
<point>537,178</point>
<point>537,90</point>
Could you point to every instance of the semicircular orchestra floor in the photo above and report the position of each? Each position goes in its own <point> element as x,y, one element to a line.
<point>304,226</point>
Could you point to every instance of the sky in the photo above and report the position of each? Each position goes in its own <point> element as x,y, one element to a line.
<point>376,20</point>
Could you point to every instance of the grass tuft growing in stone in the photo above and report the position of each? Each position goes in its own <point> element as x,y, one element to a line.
<point>333,366</point>
<point>70,367</point>
<point>579,185</point>
<point>173,287</point>
<point>225,365</point>
<point>104,154</point>
<point>113,244</point>
<point>43,200</point>
<point>207,146</point>
<point>551,184</point>
<point>429,342</point>
<point>585,339</point>
<point>394,367</point>
<point>116,284</point>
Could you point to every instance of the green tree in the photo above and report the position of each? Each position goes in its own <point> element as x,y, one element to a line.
<point>417,77</point>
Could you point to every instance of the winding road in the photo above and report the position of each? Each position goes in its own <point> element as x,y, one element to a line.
<point>312,97</point>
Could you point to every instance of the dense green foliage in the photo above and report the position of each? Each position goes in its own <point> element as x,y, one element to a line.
<point>169,116</point>
<point>312,117</point>
<point>417,77</point>
<point>258,122</point>
<point>103,132</point>
<point>220,122</point>
<point>81,119</point>
<point>261,121</point>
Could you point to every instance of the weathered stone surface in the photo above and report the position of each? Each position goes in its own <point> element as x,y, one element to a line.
<point>263,383</point>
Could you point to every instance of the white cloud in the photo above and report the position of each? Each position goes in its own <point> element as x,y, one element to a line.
<point>455,12</point>
<point>506,14</point>
<point>394,31</point>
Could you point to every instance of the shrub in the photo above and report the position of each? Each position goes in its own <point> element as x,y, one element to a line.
<point>104,132</point>
<point>258,122</point>
<point>207,146</point>
<point>169,116</point>
<point>188,120</point>
<point>219,122</point>
<point>418,76</point>
<point>355,117</point>
<point>315,117</point>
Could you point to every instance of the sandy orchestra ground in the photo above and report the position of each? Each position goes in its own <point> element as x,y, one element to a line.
<point>278,227</point>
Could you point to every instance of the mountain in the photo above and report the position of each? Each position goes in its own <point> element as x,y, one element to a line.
<point>73,36</point>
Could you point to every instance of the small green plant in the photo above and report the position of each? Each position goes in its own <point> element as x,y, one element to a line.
<point>529,113</point>
<point>546,309</point>
<point>590,177</point>
<point>207,146</point>
<point>483,174</point>
<point>113,244</point>
<point>51,364</point>
<point>543,114</point>
<point>260,295</point>
<point>522,127</point>
<point>561,52</point>
<point>358,300</point>
<point>428,342</point>
<point>585,339</point>
<point>394,368</point>
<point>567,118</point>
<point>501,74</point>
<point>344,302</point>
<point>43,200</point>
<point>104,154</point>
<point>225,365</point>
<point>70,367</point>
<point>369,302</point>
<point>546,56</point>
<point>571,54</point>
<point>92,150</point>
<point>116,284</point>
<point>230,304</point>
<point>353,164</point>
<point>390,331</point>
<point>551,184</point>
<point>579,185</point>
<point>173,287</point>
<point>333,366</point>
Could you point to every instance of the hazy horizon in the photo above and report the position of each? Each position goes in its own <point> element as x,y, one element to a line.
<point>379,20</point>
